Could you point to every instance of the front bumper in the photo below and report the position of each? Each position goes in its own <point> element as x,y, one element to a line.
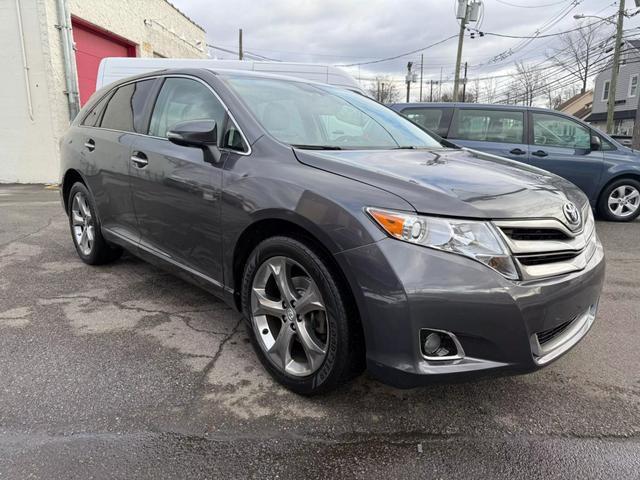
<point>402,288</point>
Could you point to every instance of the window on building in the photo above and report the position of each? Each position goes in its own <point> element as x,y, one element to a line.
<point>125,110</point>
<point>489,126</point>
<point>181,100</point>
<point>556,131</point>
<point>633,85</point>
<point>605,91</point>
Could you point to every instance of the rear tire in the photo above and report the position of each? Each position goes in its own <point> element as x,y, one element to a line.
<point>84,224</point>
<point>320,349</point>
<point>620,201</point>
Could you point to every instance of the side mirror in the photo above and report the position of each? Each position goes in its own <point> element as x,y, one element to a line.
<point>596,143</point>
<point>194,133</point>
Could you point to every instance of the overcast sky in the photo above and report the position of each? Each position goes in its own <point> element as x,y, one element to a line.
<point>350,31</point>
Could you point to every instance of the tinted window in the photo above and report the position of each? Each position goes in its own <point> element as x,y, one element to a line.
<point>93,117</point>
<point>182,99</point>
<point>125,110</point>
<point>233,139</point>
<point>556,131</point>
<point>428,118</point>
<point>489,126</point>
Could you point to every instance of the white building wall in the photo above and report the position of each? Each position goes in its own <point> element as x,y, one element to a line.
<point>29,148</point>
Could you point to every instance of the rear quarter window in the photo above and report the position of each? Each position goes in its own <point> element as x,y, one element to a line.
<point>433,119</point>
<point>92,118</point>
<point>125,110</point>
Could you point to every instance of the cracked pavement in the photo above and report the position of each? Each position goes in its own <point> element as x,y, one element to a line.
<point>124,371</point>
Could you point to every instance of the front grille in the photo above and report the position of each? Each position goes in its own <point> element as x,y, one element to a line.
<point>546,247</point>
<point>548,258</point>
<point>548,335</point>
<point>534,234</point>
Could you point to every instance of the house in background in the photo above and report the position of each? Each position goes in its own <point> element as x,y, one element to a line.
<point>50,57</point>
<point>627,93</point>
<point>579,105</point>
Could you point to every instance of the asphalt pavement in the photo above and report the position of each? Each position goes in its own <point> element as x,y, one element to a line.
<point>124,371</point>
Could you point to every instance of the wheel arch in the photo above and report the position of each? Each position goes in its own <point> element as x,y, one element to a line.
<point>71,176</point>
<point>301,229</point>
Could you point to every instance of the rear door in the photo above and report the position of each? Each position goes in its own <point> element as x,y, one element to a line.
<point>176,189</point>
<point>563,146</point>
<point>497,131</point>
<point>108,133</point>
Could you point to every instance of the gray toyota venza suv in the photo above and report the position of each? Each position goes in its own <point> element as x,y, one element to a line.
<point>346,235</point>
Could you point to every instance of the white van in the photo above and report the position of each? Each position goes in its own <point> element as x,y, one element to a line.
<point>115,68</point>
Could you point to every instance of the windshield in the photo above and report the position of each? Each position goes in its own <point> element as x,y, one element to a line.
<point>318,116</point>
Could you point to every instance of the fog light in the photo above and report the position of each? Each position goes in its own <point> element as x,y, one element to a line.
<point>440,345</point>
<point>432,344</point>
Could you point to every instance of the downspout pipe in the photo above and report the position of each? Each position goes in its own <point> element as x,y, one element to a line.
<point>69,60</point>
<point>25,64</point>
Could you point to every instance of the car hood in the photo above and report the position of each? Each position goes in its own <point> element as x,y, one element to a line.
<point>452,182</point>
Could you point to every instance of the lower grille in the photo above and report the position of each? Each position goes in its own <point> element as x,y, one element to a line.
<point>549,258</point>
<point>548,335</point>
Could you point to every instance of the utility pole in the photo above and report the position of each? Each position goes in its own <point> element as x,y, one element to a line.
<point>440,86</point>
<point>409,66</point>
<point>240,53</point>
<point>611,103</point>
<point>466,13</point>
<point>421,72</point>
<point>464,84</point>
<point>431,90</point>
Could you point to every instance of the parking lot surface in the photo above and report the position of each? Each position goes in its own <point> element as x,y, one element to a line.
<point>124,371</point>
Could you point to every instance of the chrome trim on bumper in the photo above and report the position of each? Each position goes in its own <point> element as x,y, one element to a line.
<point>583,243</point>
<point>564,341</point>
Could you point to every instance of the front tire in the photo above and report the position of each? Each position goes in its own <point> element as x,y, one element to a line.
<point>84,223</point>
<point>297,316</point>
<point>620,201</point>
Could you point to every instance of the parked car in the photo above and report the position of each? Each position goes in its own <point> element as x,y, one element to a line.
<point>605,170</point>
<point>112,69</point>
<point>343,233</point>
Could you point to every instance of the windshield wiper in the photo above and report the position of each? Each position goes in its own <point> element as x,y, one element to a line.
<point>316,147</point>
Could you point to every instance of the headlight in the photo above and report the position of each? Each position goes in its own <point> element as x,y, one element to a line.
<point>474,239</point>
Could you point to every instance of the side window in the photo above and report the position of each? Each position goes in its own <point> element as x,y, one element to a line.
<point>125,110</point>
<point>233,139</point>
<point>607,145</point>
<point>93,117</point>
<point>428,118</point>
<point>556,131</point>
<point>182,99</point>
<point>605,91</point>
<point>633,85</point>
<point>489,125</point>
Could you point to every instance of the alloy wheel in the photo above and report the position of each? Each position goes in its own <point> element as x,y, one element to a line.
<point>624,201</point>
<point>289,316</point>
<point>82,223</point>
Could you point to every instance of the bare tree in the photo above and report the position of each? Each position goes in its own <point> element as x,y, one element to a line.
<point>578,51</point>
<point>553,95</point>
<point>528,81</point>
<point>489,90</point>
<point>384,90</point>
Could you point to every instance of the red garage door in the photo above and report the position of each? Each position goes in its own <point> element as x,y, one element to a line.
<point>92,45</point>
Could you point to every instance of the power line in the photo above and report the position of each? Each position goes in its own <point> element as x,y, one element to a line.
<point>531,6</point>
<point>395,57</point>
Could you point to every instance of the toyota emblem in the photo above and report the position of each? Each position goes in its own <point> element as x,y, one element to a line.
<point>571,213</point>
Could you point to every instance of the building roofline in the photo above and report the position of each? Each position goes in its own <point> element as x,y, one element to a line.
<point>185,15</point>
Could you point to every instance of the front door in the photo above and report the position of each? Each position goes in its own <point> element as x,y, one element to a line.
<point>497,131</point>
<point>176,193</point>
<point>563,146</point>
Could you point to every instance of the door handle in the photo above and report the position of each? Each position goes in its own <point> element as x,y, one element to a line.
<point>517,151</point>
<point>540,153</point>
<point>139,159</point>
<point>90,145</point>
